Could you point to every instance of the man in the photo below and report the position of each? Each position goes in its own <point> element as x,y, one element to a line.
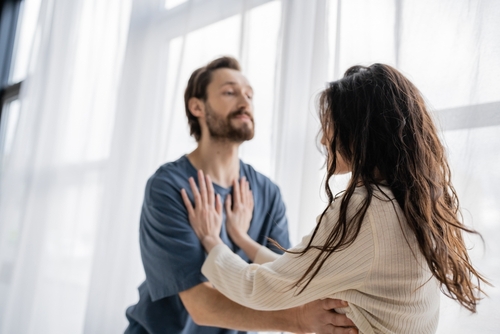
<point>176,297</point>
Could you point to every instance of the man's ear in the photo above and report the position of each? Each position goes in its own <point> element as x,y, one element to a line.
<point>196,107</point>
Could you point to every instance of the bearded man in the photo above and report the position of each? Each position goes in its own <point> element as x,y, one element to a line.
<point>175,297</point>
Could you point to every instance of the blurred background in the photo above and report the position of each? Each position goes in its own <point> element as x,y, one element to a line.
<point>91,106</point>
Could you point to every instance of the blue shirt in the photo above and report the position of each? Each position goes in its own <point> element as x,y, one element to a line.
<point>172,254</point>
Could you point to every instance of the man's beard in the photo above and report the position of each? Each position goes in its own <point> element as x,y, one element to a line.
<point>221,128</point>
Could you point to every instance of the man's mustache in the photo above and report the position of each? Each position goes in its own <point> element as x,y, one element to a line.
<point>240,112</point>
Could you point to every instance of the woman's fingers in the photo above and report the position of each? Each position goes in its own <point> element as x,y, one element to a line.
<point>203,187</point>
<point>236,193</point>
<point>246,194</point>
<point>250,198</point>
<point>242,195</point>
<point>228,204</point>
<point>241,191</point>
<point>187,202</point>
<point>205,194</point>
<point>196,193</point>
<point>210,191</point>
<point>218,204</point>
<point>244,189</point>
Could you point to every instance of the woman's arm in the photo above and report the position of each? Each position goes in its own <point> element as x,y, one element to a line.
<point>271,286</point>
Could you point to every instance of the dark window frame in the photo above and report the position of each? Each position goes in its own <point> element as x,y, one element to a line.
<point>9,16</point>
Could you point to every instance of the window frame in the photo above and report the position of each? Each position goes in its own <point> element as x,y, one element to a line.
<point>9,17</point>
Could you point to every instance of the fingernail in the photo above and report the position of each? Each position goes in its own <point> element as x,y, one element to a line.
<point>344,303</point>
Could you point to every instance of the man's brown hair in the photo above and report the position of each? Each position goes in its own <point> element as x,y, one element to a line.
<point>197,87</point>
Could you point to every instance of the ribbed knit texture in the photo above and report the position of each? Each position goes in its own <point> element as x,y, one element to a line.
<point>382,275</point>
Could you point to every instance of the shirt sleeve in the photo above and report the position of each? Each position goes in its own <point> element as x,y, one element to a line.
<point>270,286</point>
<point>279,223</point>
<point>171,253</point>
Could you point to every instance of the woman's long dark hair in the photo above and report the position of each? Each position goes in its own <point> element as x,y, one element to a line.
<point>376,119</point>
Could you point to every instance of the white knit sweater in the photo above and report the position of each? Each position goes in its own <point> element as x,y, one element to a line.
<point>382,275</point>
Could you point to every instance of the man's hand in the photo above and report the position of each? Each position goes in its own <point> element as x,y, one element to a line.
<point>208,307</point>
<point>320,318</point>
<point>239,210</point>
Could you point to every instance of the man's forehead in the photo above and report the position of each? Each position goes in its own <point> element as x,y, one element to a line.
<point>223,76</point>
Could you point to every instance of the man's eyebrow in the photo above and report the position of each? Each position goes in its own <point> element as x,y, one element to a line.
<point>234,83</point>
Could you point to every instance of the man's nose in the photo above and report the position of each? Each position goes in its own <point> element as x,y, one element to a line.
<point>246,104</point>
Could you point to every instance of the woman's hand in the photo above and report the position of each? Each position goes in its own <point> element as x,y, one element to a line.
<point>239,211</point>
<point>206,216</point>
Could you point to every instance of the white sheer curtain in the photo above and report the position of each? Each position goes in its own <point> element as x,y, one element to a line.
<point>102,109</point>
<point>450,49</point>
<point>303,71</point>
<point>52,186</point>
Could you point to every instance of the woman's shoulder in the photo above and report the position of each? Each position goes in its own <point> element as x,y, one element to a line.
<point>381,195</point>
<point>382,200</point>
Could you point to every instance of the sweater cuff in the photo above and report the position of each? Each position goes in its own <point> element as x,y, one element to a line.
<point>212,256</point>
<point>265,255</point>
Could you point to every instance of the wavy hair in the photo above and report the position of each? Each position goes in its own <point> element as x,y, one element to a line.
<point>377,120</point>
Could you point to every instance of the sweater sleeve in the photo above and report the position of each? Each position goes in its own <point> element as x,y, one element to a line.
<point>270,286</point>
<point>265,255</point>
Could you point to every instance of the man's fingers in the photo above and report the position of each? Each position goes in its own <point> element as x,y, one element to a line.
<point>330,329</point>
<point>340,320</point>
<point>187,202</point>
<point>344,330</point>
<point>330,304</point>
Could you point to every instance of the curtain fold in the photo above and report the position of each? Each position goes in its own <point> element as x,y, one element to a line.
<point>449,49</point>
<point>302,74</point>
<point>52,185</point>
<point>136,152</point>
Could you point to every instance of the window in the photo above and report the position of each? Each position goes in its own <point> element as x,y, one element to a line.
<point>9,11</point>
<point>169,4</point>
<point>8,123</point>
<point>451,58</point>
<point>17,31</point>
<point>250,35</point>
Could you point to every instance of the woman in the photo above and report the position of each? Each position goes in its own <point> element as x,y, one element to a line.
<point>387,244</point>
